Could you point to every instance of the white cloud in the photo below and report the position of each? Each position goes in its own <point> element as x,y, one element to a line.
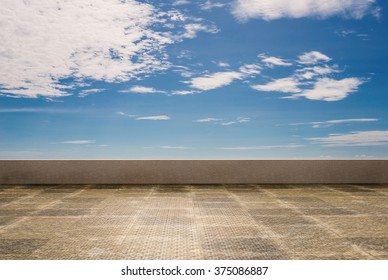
<point>289,85</point>
<point>180,2</point>
<point>324,70</point>
<point>45,42</point>
<point>126,115</point>
<point>250,69</point>
<point>327,89</point>
<point>215,80</point>
<point>183,92</point>
<point>355,138</point>
<point>174,147</point>
<point>142,90</point>
<point>244,10</point>
<point>271,61</point>
<point>220,79</point>
<point>209,5</point>
<point>310,72</point>
<point>205,120</point>
<point>34,110</point>
<point>145,118</point>
<point>191,30</point>
<point>312,79</point>
<point>334,122</point>
<point>313,57</point>
<point>223,64</point>
<point>290,146</point>
<point>345,32</point>
<point>87,92</point>
<point>222,122</point>
<point>79,142</point>
<point>155,118</point>
<point>183,71</point>
<point>239,120</point>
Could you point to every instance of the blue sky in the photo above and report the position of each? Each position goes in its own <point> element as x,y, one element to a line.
<point>181,79</point>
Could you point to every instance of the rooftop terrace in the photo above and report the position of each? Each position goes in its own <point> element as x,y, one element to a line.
<point>194,222</point>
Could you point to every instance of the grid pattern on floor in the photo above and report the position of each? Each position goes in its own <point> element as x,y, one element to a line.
<point>194,222</point>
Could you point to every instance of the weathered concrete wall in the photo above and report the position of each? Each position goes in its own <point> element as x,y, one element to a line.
<point>192,171</point>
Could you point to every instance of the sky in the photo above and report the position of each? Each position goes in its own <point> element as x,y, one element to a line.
<point>185,79</point>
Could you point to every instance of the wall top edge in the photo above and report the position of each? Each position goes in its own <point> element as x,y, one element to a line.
<point>189,160</point>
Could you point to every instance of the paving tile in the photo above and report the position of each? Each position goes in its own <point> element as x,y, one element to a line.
<point>377,244</point>
<point>283,220</point>
<point>63,212</point>
<point>272,212</point>
<point>357,226</point>
<point>180,247</point>
<point>20,246</point>
<point>208,231</point>
<point>221,212</point>
<point>221,220</point>
<point>320,246</point>
<point>16,212</point>
<point>325,211</point>
<point>4,200</point>
<point>242,248</point>
<point>194,222</point>
<point>6,221</point>
<point>333,256</point>
<point>301,231</point>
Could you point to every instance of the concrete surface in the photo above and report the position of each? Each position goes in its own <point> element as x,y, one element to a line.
<point>194,222</point>
<point>192,171</point>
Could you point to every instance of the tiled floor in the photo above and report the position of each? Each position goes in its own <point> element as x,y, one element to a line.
<point>194,222</point>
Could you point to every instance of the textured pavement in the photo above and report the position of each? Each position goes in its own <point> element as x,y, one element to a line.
<point>103,222</point>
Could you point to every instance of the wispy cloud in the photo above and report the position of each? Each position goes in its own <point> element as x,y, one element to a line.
<point>209,5</point>
<point>334,122</point>
<point>180,2</point>
<point>126,115</point>
<point>268,10</point>
<point>342,32</point>
<point>142,90</point>
<point>250,70</point>
<point>174,147</point>
<point>145,118</point>
<point>289,146</point>
<point>34,110</point>
<point>154,118</point>
<point>239,120</point>
<point>183,92</point>
<point>271,61</point>
<point>87,92</point>
<point>207,120</point>
<point>79,142</point>
<point>223,122</point>
<point>355,138</point>
<point>191,31</point>
<point>289,85</point>
<point>307,73</point>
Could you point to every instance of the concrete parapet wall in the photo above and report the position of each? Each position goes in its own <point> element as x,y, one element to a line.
<point>193,171</point>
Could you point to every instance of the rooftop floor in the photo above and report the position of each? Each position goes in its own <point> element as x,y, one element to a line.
<point>194,222</point>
